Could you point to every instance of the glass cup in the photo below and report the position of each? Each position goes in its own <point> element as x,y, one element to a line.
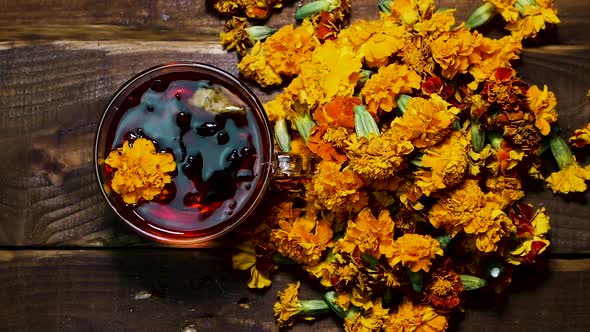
<point>148,105</point>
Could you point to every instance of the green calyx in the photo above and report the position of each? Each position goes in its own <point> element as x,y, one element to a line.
<point>282,135</point>
<point>561,151</point>
<point>259,32</point>
<point>312,8</point>
<point>364,124</point>
<point>481,16</point>
<point>471,282</point>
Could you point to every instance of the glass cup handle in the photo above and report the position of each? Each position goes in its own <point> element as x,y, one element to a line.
<point>292,166</point>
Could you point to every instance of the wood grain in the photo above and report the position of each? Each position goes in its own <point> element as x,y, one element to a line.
<point>171,290</point>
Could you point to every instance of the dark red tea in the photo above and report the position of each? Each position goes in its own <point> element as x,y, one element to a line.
<point>218,144</point>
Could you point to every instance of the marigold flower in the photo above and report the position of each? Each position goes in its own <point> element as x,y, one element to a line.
<point>411,11</point>
<point>506,159</point>
<point>381,90</point>
<point>417,318</point>
<point>339,112</point>
<point>141,172</point>
<point>415,251</point>
<point>542,104</point>
<point>454,51</point>
<point>569,179</point>
<point>532,230</point>
<point>385,41</point>
<point>289,307</point>
<point>447,164</point>
<point>370,235</point>
<point>254,66</point>
<point>289,47</point>
<point>336,190</point>
<point>338,136</point>
<point>326,151</point>
<point>370,321</point>
<point>304,240</point>
<point>493,54</point>
<point>426,122</point>
<point>506,8</point>
<point>506,190</point>
<point>378,157</point>
<point>246,259</point>
<point>439,22</point>
<point>443,290</point>
<point>581,137</point>
<point>534,19</point>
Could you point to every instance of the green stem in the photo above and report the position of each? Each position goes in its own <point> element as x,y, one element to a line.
<point>561,151</point>
<point>313,307</point>
<point>481,16</point>
<point>282,135</point>
<point>330,299</point>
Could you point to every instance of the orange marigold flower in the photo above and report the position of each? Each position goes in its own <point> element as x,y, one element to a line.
<point>569,179</point>
<point>378,157</point>
<point>417,56</point>
<point>534,19</point>
<point>426,122</point>
<point>455,208</point>
<point>532,229</point>
<point>581,137</point>
<point>414,251</point>
<point>339,112</point>
<point>254,66</point>
<point>325,150</point>
<point>336,190</point>
<point>141,172</point>
<point>454,51</point>
<point>440,22</point>
<point>304,240</point>
<point>443,290</point>
<point>381,90</point>
<point>542,104</point>
<point>289,47</point>
<point>370,235</point>
<point>447,164</point>
<point>491,55</point>
<point>416,318</point>
<point>409,12</point>
<point>507,159</point>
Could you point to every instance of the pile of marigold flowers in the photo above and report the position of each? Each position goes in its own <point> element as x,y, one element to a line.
<point>424,135</point>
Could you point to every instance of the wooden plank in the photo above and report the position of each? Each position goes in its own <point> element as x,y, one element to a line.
<point>52,96</point>
<point>188,20</point>
<point>178,290</point>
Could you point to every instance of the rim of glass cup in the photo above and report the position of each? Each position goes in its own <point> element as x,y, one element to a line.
<point>266,169</point>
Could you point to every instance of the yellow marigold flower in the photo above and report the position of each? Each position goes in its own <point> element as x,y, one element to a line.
<point>439,22</point>
<point>454,51</point>
<point>534,19</point>
<point>417,56</point>
<point>426,122</point>
<point>506,190</point>
<point>415,318</point>
<point>321,271</point>
<point>254,66</point>
<point>507,9</point>
<point>281,107</point>
<point>336,190</point>
<point>378,157</point>
<point>332,71</point>
<point>542,104</point>
<point>338,136</point>
<point>246,259</point>
<point>289,307</point>
<point>455,208</point>
<point>491,55</point>
<point>569,179</point>
<point>487,226</point>
<point>141,172</point>
<point>415,251</point>
<point>411,11</point>
<point>447,164</point>
<point>373,236</point>
<point>289,47</point>
<point>386,40</point>
<point>303,241</point>
<point>381,90</point>
<point>370,321</point>
<point>581,137</point>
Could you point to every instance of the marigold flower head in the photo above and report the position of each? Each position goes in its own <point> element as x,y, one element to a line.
<point>454,51</point>
<point>440,22</point>
<point>443,290</point>
<point>324,149</point>
<point>532,229</point>
<point>371,321</point>
<point>339,112</point>
<point>534,19</point>
<point>370,235</point>
<point>447,163</point>
<point>378,157</point>
<point>247,259</point>
<point>415,251</point>
<point>409,12</point>
<point>288,307</point>
<point>506,190</point>
<point>542,104</point>
<point>417,318</point>
<point>494,54</point>
<point>141,172</point>
<point>254,66</point>
<point>569,179</point>
<point>336,190</point>
<point>507,9</point>
<point>289,47</point>
<point>337,136</point>
<point>581,137</point>
<point>381,90</point>
<point>281,107</point>
<point>455,208</point>
<point>426,122</point>
<point>304,240</point>
<point>386,39</point>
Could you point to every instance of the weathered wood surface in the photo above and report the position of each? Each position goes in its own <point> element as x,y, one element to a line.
<point>171,290</point>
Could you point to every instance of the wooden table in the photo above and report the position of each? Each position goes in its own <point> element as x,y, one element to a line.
<point>68,264</point>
